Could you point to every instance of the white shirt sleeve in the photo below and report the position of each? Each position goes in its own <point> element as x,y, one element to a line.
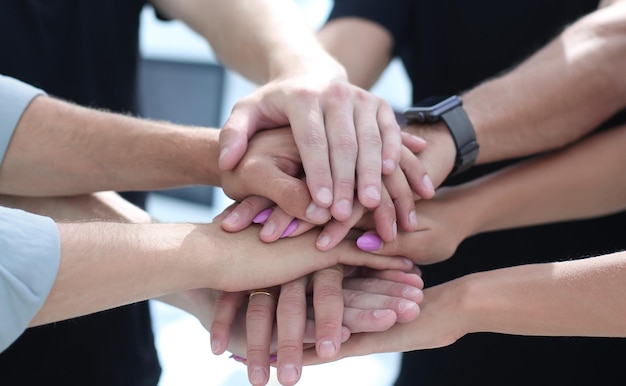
<point>30,248</point>
<point>14,98</point>
<point>30,251</point>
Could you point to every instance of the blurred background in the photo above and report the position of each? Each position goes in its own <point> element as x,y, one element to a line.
<point>181,81</point>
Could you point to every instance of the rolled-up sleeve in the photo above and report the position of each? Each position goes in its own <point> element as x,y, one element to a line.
<point>14,98</point>
<point>30,251</point>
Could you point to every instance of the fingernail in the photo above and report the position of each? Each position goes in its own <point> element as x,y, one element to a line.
<point>268,229</point>
<point>223,153</point>
<point>216,346</point>
<point>327,349</point>
<point>262,216</point>
<point>372,193</point>
<point>238,358</point>
<point>411,293</point>
<point>379,314</point>
<point>389,165</point>
<point>428,184</point>
<point>394,229</point>
<point>257,375</point>
<point>325,196</point>
<point>413,219</point>
<point>290,228</point>
<point>323,240</point>
<point>288,373</point>
<point>404,305</point>
<point>273,358</point>
<point>231,219</point>
<point>369,242</point>
<point>316,214</point>
<point>344,207</point>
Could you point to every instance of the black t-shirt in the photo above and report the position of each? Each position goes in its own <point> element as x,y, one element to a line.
<point>84,51</point>
<point>448,46</point>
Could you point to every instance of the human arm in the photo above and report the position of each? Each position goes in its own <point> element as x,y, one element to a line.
<point>582,181</point>
<point>308,90</point>
<point>559,94</point>
<point>369,301</point>
<point>568,298</point>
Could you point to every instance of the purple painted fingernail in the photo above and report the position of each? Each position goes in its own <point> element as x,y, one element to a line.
<point>369,242</point>
<point>273,358</point>
<point>238,358</point>
<point>262,217</point>
<point>290,228</point>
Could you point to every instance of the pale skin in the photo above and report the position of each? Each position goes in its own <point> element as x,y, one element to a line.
<point>339,128</point>
<point>376,296</point>
<point>568,298</point>
<point>510,117</point>
<point>551,299</point>
<point>60,149</point>
<point>591,49</point>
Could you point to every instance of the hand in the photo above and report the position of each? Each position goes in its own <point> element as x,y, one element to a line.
<point>280,222</point>
<point>442,224</point>
<point>438,325</point>
<point>374,301</point>
<point>338,128</point>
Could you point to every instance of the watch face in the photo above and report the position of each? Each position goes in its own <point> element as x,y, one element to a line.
<point>430,109</point>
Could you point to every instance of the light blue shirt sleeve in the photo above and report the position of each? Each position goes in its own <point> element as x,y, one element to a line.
<point>30,248</point>
<point>14,98</point>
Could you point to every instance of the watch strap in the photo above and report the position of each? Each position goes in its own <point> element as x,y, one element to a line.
<point>462,132</point>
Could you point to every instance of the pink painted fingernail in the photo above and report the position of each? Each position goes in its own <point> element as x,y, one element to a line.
<point>273,358</point>
<point>238,358</point>
<point>262,216</point>
<point>290,228</point>
<point>369,242</point>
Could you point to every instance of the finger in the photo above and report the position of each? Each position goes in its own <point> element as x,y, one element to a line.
<point>391,137</point>
<point>412,278</point>
<point>343,149</point>
<point>372,260</point>
<point>243,213</point>
<point>335,231</point>
<point>259,326</point>
<point>404,203</point>
<point>226,307</point>
<point>310,136</point>
<point>278,224</point>
<point>376,300</point>
<point>291,321</point>
<point>234,136</point>
<point>368,320</point>
<point>385,218</point>
<point>369,163</point>
<point>416,174</point>
<point>328,306</point>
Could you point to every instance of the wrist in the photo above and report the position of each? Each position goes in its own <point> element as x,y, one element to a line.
<point>440,153</point>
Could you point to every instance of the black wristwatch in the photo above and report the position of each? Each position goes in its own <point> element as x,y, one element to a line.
<point>450,111</point>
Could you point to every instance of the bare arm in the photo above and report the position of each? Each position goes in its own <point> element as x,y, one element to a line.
<point>572,298</point>
<point>363,47</point>
<point>59,148</point>
<point>558,95</point>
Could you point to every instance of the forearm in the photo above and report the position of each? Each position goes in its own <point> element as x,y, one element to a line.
<point>63,149</point>
<point>106,265</point>
<point>573,298</point>
<point>585,180</point>
<point>561,93</point>
<point>261,39</point>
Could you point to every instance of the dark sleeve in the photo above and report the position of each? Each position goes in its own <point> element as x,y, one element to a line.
<point>390,14</point>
